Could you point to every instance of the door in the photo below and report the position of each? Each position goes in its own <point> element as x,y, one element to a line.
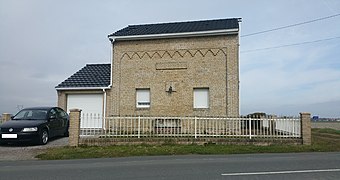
<point>54,123</point>
<point>91,106</point>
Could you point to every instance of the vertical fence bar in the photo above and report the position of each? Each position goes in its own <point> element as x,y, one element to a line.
<point>131,127</point>
<point>151,127</point>
<point>138,127</point>
<point>250,128</point>
<point>195,129</point>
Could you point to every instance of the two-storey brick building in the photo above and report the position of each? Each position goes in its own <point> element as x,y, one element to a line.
<point>168,69</point>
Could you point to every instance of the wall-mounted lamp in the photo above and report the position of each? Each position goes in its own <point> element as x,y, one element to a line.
<point>170,89</point>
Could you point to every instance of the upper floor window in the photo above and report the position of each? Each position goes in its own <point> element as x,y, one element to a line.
<point>142,98</point>
<point>201,98</point>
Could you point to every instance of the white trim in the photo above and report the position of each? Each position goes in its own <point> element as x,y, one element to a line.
<point>112,54</point>
<point>104,110</point>
<point>176,35</point>
<point>82,88</point>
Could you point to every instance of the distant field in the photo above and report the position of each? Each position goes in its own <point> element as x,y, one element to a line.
<point>331,125</point>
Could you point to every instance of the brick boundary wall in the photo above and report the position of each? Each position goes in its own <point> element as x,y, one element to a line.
<point>200,141</point>
<point>306,132</point>
<point>5,117</point>
<point>74,129</point>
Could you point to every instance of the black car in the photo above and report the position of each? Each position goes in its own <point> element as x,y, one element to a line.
<point>35,125</point>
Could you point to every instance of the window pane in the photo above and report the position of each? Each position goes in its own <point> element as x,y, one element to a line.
<point>201,98</point>
<point>143,98</point>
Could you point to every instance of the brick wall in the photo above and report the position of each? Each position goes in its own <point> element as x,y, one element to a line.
<point>306,131</point>
<point>185,63</point>
<point>5,117</point>
<point>74,130</point>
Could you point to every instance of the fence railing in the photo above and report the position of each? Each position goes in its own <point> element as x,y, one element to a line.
<point>189,127</point>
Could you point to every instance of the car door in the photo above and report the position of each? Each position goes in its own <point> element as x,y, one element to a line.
<point>54,123</point>
<point>63,117</point>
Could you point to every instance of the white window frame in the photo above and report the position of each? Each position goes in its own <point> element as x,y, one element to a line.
<point>143,98</point>
<point>201,98</point>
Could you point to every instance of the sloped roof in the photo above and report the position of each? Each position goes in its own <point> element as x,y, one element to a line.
<point>90,76</point>
<point>179,27</point>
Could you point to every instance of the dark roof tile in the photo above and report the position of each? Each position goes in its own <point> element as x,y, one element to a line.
<point>178,27</point>
<point>92,75</point>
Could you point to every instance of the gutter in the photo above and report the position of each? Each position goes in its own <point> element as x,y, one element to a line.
<point>83,88</point>
<point>174,35</point>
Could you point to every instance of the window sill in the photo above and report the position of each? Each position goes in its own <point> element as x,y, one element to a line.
<point>142,108</point>
<point>201,109</point>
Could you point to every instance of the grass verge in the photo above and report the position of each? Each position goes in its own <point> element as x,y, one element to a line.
<point>323,140</point>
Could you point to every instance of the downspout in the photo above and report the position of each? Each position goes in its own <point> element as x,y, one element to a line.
<point>110,86</point>
<point>113,105</point>
<point>238,66</point>
<point>112,51</point>
<point>104,113</point>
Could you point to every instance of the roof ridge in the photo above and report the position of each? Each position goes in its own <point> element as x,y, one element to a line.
<point>188,21</point>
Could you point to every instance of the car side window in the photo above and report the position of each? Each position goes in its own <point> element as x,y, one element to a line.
<point>53,113</point>
<point>61,113</point>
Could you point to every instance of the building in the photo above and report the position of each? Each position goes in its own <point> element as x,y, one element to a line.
<point>167,69</point>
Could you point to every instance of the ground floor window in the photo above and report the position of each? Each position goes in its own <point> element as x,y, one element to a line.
<point>201,98</point>
<point>142,98</point>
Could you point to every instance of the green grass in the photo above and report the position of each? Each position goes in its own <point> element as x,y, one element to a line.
<point>323,140</point>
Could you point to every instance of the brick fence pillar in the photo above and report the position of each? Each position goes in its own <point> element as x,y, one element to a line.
<point>74,129</point>
<point>6,117</point>
<point>306,132</point>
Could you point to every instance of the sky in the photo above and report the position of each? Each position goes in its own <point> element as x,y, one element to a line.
<point>43,42</point>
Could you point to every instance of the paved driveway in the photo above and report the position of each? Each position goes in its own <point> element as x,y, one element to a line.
<point>14,152</point>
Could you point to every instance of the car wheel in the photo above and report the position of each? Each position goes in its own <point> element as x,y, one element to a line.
<point>44,137</point>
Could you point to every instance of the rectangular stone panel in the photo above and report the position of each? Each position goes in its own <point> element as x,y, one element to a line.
<point>171,66</point>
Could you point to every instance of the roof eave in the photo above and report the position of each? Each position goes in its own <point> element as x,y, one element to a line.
<point>175,35</point>
<point>81,88</point>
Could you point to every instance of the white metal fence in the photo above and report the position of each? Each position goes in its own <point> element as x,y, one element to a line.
<point>191,127</point>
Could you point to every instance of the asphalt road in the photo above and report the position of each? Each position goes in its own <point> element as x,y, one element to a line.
<point>255,166</point>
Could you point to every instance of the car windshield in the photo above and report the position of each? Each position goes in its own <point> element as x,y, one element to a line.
<point>31,114</point>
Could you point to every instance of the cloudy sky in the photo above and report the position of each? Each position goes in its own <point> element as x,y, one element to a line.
<point>43,42</point>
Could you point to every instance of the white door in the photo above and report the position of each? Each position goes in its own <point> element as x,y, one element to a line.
<point>91,106</point>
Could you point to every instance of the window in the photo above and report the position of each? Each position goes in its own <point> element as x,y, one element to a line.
<point>61,113</point>
<point>143,98</point>
<point>201,98</point>
<point>34,114</point>
<point>53,114</point>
